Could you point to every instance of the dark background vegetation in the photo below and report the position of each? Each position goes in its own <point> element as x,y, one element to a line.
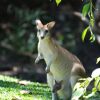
<point>18,41</point>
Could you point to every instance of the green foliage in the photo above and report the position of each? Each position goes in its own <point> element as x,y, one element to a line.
<point>87,89</point>
<point>58,2</point>
<point>10,90</point>
<point>88,11</point>
<point>21,35</point>
<point>84,33</point>
<point>92,37</point>
<point>85,9</point>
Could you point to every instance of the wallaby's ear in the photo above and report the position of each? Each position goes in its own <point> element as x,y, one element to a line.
<point>50,24</point>
<point>38,24</point>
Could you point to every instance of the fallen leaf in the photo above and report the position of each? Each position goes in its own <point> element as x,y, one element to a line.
<point>24,82</point>
<point>25,92</point>
<point>16,98</point>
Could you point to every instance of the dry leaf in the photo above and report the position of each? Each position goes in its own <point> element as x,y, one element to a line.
<point>16,98</point>
<point>25,92</point>
<point>24,82</point>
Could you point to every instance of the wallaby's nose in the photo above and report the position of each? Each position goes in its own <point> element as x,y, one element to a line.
<point>42,37</point>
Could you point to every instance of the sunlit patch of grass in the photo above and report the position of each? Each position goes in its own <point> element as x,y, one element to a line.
<point>10,89</point>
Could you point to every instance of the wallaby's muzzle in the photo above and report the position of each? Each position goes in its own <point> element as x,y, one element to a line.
<point>42,37</point>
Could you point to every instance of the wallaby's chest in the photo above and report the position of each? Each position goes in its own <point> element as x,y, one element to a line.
<point>60,63</point>
<point>47,50</point>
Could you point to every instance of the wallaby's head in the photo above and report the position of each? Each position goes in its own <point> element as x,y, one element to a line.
<point>43,30</point>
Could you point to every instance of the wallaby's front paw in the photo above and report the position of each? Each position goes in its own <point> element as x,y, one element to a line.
<point>36,61</point>
<point>47,70</point>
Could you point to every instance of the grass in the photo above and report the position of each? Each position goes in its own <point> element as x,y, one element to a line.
<point>10,90</point>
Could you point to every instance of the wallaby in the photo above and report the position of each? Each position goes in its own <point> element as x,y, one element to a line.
<point>63,68</point>
<point>57,86</point>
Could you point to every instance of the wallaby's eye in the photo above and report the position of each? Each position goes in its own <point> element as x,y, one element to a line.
<point>46,31</point>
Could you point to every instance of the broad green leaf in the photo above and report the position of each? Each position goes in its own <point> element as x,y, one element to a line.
<point>89,96</point>
<point>78,93</point>
<point>77,86</point>
<point>84,33</point>
<point>94,90</point>
<point>98,60</point>
<point>95,73</point>
<point>58,2</point>
<point>85,9</point>
<point>97,83</point>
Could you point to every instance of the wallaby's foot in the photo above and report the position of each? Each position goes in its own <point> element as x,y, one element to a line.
<point>47,70</point>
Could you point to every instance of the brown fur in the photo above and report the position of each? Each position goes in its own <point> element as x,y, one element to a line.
<point>62,65</point>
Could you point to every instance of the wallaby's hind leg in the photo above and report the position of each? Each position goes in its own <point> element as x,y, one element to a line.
<point>51,82</point>
<point>73,80</point>
<point>54,96</point>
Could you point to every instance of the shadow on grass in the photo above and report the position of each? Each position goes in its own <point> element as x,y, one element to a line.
<point>7,84</point>
<point>35,88</point>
